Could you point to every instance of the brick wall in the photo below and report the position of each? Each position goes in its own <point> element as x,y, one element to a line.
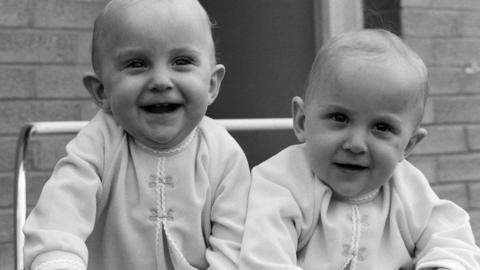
<point>446,34</point>
<point>44,50</point>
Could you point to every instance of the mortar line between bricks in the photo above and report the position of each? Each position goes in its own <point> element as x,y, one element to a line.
<point>433,9</point>
<point>40,64</point>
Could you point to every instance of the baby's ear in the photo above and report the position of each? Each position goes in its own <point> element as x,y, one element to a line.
<point>94,86</point>
<point>215,82</point>
<point>298,115</point>
<point>417,136</point>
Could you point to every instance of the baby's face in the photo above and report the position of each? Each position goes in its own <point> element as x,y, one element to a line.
<point>157,69</point>
<point>360,125</point>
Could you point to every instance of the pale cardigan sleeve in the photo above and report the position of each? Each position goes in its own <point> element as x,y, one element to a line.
<point>281,208</point>
<point>64,216</point>
<point>230,174</point>
<point>444,237</point>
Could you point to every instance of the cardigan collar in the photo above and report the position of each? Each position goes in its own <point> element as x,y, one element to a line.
<point>173,150</point>
<point>364,198</point>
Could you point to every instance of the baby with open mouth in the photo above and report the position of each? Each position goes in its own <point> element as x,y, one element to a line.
<point>151,182</point>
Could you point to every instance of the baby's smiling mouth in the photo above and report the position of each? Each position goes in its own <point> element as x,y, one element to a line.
<point>161,107</point>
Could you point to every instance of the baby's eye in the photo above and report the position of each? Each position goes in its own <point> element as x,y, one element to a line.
<point>339,117</point>
<point>182,61</point>
<point>135,64</point>
<point>383,127</point>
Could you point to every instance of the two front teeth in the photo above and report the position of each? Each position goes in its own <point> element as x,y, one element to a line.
<point>161,107</point>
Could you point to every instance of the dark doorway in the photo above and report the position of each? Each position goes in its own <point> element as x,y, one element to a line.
<point>267,47</point>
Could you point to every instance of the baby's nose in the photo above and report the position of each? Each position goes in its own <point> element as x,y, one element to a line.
<point>356,142</point>
<point>160,80</point>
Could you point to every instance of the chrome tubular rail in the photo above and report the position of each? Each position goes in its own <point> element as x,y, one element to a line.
<point>20,204</point>
<point>72,127</point>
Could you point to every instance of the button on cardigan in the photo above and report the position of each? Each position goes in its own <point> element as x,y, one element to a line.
<point>113,203</point>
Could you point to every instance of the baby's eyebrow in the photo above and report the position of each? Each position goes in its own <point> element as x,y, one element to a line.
<point>186,49</point>
<point>390,118</point>
<point>129,53</point>
<point>335,107</point>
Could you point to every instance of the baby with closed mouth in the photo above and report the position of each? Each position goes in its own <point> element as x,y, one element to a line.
<point>346,197</point>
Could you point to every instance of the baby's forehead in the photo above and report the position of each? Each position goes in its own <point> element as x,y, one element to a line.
<point>121,19</point>
<point>115,9</point>
<point>390,72</point>
<point>387,74</point>
<point>375,65</point>
<point>387,62</point>
<point>119,14</point>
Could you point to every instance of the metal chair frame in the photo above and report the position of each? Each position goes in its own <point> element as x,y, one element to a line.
<point>72,127</point>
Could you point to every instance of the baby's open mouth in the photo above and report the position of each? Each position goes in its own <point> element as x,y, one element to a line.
<point>161,107</point>
<point>353,167</point>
